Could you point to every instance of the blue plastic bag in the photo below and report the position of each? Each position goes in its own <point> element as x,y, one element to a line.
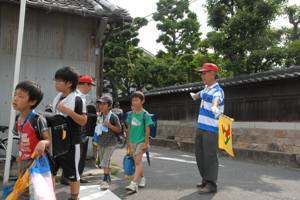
<point>96,139</point>
<point>128,165</point>
<point>41,182</point>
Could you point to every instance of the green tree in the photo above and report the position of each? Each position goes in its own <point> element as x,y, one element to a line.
<point>180,36</point>
<point>292,35</point>
<point>243,36</point>
<point>179,27</point>
<point>121,51</point>
<point>294,53</point>
<point>293,13</point>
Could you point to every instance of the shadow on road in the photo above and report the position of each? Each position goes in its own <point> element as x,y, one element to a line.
<point>195,195</point>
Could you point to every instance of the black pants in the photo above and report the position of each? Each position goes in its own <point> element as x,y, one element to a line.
<point>206,151</point>
<point>83,153</point>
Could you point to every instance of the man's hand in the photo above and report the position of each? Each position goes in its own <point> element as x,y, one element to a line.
<point>193,95</point>
<point>215,110</point>
<point>62,108</point>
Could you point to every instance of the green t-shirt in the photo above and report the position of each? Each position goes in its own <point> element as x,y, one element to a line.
<point>137,122</point>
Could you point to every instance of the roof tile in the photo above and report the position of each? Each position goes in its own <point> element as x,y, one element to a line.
<point>94,8</point>
<point>292,72</point>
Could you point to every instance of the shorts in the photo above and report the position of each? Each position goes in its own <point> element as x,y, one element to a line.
<point>138,148</point>
<point>69,163</point>
<point>106,154</point>
<point>23,165</point>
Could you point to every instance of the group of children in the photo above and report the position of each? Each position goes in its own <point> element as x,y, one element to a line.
<point>34,136</point>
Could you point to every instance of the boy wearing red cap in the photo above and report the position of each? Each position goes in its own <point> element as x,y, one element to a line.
<point>85,85</point>
<point>206,142</point>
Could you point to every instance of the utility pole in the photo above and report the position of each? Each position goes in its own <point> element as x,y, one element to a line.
<point>100,55</point>
<point>16,80</point>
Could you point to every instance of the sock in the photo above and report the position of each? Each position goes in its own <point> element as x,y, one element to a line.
<point>74,196</point>
<point>106,177</point>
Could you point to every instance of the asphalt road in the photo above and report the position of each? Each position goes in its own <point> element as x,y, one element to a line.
<point>173,175</point>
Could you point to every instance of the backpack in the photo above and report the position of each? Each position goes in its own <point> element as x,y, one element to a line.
<point>89,128</point>
<point>153,127</point>
<point>59,133</point>
<point>119,113</point>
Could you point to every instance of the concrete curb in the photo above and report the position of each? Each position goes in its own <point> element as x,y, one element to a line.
<point>270,157</point>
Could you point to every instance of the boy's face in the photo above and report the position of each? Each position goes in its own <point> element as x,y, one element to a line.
<point>21,100</point>
<point>62,86</point>
<point>103,107</point>
<point>136,103</point>
<point>85,88</point>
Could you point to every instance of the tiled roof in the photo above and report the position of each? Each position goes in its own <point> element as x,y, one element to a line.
<point>93,8</point>
<point>292,72</point>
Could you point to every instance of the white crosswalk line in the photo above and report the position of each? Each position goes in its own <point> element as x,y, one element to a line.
<point>175,159</point>
<point>93,192</point>
<point>187,156</point>
<point>178,160</point>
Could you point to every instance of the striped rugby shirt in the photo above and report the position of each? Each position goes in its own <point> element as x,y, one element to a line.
<point>207,121</point>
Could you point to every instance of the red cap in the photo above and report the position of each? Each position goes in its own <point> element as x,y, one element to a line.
<point>209,67</point>
<point>86,79</point>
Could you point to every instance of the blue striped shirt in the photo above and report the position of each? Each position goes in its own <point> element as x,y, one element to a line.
<point>207,120</point>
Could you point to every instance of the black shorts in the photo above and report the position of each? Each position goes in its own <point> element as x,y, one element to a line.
<point>69,163</point>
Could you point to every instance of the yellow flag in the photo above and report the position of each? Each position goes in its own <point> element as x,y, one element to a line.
<point>225,134</point>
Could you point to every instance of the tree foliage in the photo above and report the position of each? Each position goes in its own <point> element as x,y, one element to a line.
<point>242,34</point>
<point>242,42</point>
<point>121,51</point>
<point>179,27</point>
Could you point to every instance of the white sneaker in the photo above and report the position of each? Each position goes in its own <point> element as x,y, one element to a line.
<point>132,187</point>
<point>104,185</point>
<point>142,183</point>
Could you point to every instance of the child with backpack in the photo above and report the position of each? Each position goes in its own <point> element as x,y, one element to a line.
<point>30,126</point>
<point>107,128</point>
<point>138,138</point>
<point>68,104</point>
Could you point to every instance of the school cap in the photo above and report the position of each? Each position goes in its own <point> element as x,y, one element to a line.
<point>86,79</point>
<point>105,99</point>
<point>206,67</point>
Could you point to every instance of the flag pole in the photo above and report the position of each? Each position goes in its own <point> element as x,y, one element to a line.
<point>16,80</point>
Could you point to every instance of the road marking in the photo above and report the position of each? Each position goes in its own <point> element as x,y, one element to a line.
<point>179,160</point>
<point>175,159</point>
<point>187,156</point>
<point>93,192</point>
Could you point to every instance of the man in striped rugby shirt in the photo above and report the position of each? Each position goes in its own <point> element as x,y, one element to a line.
<point>206,141</point>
